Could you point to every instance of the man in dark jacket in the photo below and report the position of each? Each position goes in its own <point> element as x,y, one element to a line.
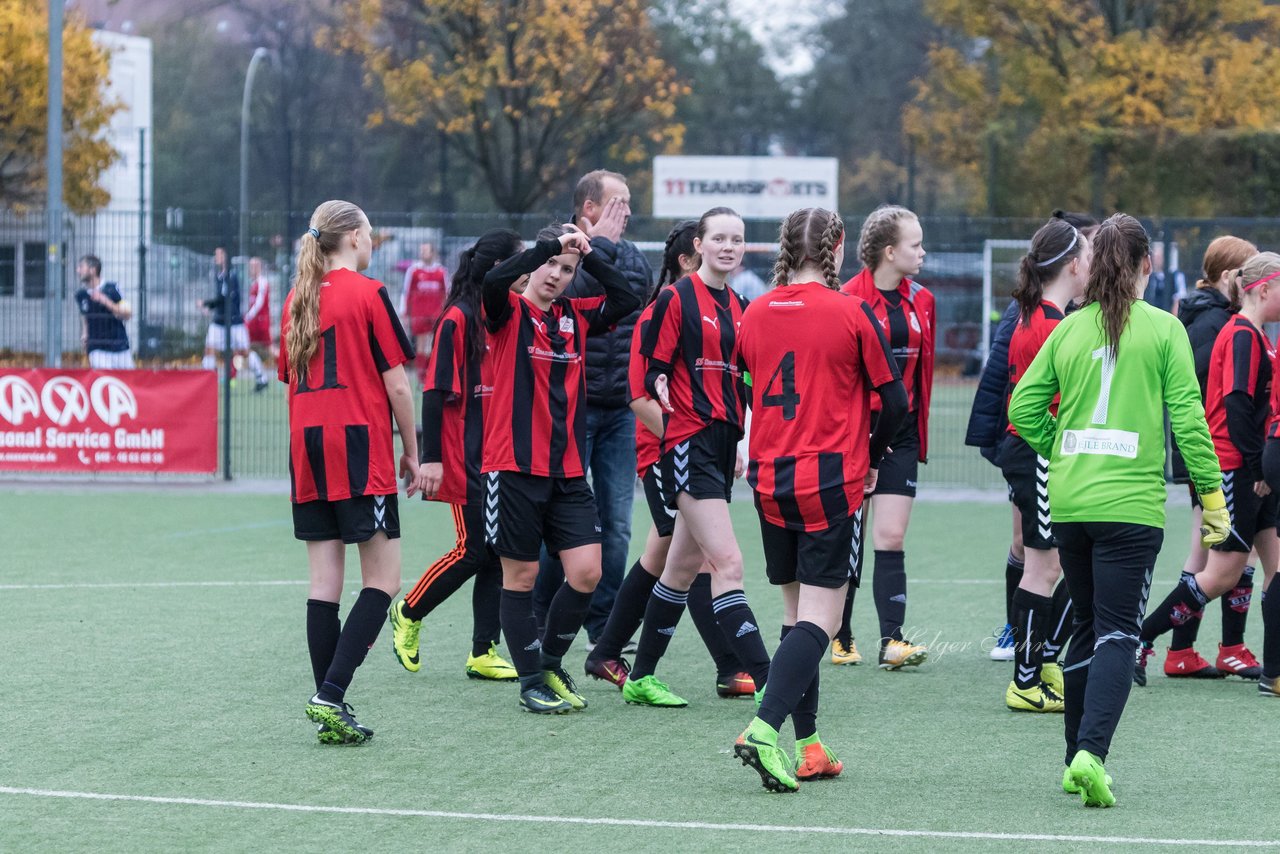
<point>611,426</point>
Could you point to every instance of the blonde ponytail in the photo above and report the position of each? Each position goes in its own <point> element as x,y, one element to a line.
<point>330,221</point>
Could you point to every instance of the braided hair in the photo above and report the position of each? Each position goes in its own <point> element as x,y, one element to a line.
<point>679,242</point>
<point>809,235</point>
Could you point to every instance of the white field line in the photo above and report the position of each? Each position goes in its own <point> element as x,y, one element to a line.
<point>647,823</point>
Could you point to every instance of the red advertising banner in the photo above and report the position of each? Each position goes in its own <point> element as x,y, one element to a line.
<point>108,421</point>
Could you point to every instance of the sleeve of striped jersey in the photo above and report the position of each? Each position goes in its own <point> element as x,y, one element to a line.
<point>1244,362</point>
<point>637,366</point>
<point>448,357</point>
<point>387,341</point>
<point>1029,404</point>
<point>878,365</point>
<point>662,339</point>
<point>618,300</point>
<point>1186,414</point>
<point>282,363</point>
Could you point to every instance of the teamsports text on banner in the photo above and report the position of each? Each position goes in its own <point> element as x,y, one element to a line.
<point>755,187</point>
<point>103,421</point>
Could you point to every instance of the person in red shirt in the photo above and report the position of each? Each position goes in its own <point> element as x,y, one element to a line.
<point>1238,409</point>
<point>1053,273</point>
<point>679,259</point>
<point>534,438</point>
<point>691,372</point>
<point>814,356</point>
<point>458,386</point>
<point>257,318</point>
<point>344,355</point>
<point>421,301</point>
<point>891,248</point>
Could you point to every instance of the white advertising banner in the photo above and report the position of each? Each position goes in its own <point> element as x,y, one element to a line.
<point>756,187</point>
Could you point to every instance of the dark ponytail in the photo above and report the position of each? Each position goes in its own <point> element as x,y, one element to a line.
<point>489,251</point>
<point>1054,246</point>
<point>679,242</point>
<point>1082,221</point>
<point>1118,249</point>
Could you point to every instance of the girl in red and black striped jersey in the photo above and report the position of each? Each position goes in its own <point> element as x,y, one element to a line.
<point>534,441</point>
<point>344,356</point>
<point>891,248</point>
<point>1052,274</point>
<point>689,345</point>
<point>1238,409</point>
<point>679,259</point>
<point>814,357</point>
<point>458,384</point>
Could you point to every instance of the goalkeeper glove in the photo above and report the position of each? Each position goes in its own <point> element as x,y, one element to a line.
<point>1215,523</point>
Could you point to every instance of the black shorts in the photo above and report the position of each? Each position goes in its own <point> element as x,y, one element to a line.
<point>817,558</point>
<point>522,511</point>
<point>900,466</point>
<point>1249,513</point>
<point>664,517</point>
<point>701,465</point>
<point>352,520</point>
<point>1027,474</point>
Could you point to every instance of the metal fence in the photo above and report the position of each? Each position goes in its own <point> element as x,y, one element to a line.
<point>162,263</point>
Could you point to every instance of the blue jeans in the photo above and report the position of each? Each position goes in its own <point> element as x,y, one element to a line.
<point>611,465</point>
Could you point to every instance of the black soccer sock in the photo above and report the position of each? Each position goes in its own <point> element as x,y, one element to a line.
<point>1185,633</point>
<point>1012,578</point>
<point>486,608</point>
<point>1057,629</point>
<point>795,664</point>
<point>804,717</point>
<point>1271,629</point>
<point>889,587</point>
<point>626,615</point>
<point>323,629</point>
<point>521,631</point>
<point>1178,607</point>
<point>661,616</point>
<point>845,633</point>
<point>739,627</point>
<point>358,634</point>
<point>564,620</point>
<point>1030,613</point>
<point>704,619</point>
<point>1235,609</point>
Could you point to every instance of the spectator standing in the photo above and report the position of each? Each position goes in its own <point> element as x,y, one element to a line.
<point>224,307</point>
<point>103,312</point>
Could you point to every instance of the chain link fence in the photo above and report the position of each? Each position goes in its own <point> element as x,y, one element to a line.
<point>163,264</point>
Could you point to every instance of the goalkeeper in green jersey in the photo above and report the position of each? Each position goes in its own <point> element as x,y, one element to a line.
<point>1118,364</point>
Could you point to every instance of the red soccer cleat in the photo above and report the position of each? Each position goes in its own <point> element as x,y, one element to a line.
<point>735,685</point>
<point>611,670</point>
<point>1187,664</point>
<point>1237,660</point>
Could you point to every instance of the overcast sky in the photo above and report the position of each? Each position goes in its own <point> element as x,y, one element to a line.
<point>776,24</point>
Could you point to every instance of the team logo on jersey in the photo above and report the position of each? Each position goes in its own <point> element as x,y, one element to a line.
<point>714,321</point>
<point>915,323</point>
<point>566,325</point>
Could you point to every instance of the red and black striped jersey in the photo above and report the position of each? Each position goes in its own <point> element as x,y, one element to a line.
<point>340,439</point>
<point>691,338</point>
<point>466,385</point>
<point>1241,362</point>
<point>425,288</point>
<point>648,446</point>
<point>814,356</point>
<point>907,319</point>
<point>1028,337</point>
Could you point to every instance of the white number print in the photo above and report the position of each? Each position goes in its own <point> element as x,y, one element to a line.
<point>1108,357</point>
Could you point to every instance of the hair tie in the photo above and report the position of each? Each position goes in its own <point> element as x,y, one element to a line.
<point>1075,235</point>
<point>314,233</point>
<point>1261,281</point>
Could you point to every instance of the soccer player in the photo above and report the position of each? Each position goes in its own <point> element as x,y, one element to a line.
<point>814,356</point>
<point>692,373</point>
<point>421,302</point>
<point>679,259</point>
<point>459,384</point>
<point>344,349</point>
<point>224,308</point>
<point>891,248</point>
<point>1117,363</point>
<point>1209,308</point>
<point>257,320</point>
<point>988,419</point>
<point>534,438</point>
<point>1238,409</point>
<point>103,312</point>
<point>1052,274</point>
<point>1269,680</point>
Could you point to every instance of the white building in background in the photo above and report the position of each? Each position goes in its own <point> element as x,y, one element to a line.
<point>114,233</point>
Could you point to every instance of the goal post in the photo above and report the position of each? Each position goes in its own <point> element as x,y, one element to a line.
<point>1000,259</point>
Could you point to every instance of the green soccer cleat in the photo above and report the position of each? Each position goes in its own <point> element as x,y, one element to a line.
<point>1090,780</point>
<point>404,637</point>
<point>648,691</point>
<point>541,700</point>
<point>328,736</point>
<point>490,666</point>
<point>561,684</point>
<point>1069,786</point>
<point>1037,698</point>
<point>1051,675</point>
<point>757,747</point>
<point>339,721</point>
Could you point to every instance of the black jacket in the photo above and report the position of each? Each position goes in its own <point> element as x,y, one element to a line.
<point>989,415</point>
<point>609,353</point>
<point>1204,312</point>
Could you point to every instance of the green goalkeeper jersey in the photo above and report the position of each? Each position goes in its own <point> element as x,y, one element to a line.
<point>1106,446</point>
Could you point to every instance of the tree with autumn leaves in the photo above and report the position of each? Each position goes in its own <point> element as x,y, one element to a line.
<point>1146,105</point>
<point>24,107</point>
<point>529,92</point>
